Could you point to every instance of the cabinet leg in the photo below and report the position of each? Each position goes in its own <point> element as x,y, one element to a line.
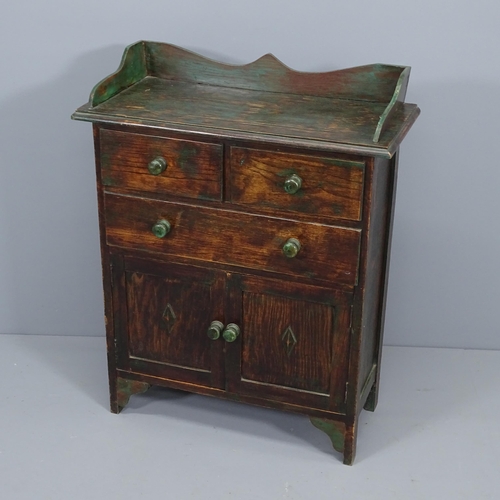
<point>122,389</point>
<point>342,436</point>
<point>351,434</point>
<point>372,399</point>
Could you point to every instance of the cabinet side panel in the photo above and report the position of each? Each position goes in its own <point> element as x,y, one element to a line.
<point>106,277</point>
<point>375,259</point>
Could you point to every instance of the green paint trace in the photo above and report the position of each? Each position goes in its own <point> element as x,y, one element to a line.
<point>333,429</point>
<point>357,110</point>
<point>127,388</point>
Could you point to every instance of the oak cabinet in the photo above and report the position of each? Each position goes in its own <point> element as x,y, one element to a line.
<point>245,217</point>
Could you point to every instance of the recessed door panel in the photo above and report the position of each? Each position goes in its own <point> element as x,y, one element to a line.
<point>168,310</point>
<point>293,344</point>
<point>287,342</point>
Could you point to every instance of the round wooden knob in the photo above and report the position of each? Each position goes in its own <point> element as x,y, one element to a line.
<point>293,184</point>
<point>161,228</point>
<point>291,247</point>
<point>215,330</point>
<point>231,332</point>
<point>157,166</point>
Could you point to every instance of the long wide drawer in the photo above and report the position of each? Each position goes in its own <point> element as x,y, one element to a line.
<point>161,165</point>
<point>233,238</point>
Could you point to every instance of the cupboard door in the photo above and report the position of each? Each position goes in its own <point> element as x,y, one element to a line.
<point>293,343</point>
<point>164,313</point>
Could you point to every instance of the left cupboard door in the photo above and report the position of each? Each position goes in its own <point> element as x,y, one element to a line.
<point>162,314</point>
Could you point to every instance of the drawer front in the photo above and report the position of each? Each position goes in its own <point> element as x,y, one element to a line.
<point>234,238</point>
<point>192,169</point>
<point>297,183</point>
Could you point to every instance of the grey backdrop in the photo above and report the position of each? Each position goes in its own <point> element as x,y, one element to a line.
<point>444,288</point>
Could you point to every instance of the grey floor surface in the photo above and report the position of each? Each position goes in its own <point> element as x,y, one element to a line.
<point>434,435</point>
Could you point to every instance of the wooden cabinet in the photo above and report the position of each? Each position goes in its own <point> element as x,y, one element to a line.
<point>245,218</point>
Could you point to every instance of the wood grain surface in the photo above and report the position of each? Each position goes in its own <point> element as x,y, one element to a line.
<point>211,235</point>
<point>330,187</point>
<point>294,343</point>
<point>373,82</point>
<point>167,311</point>
<point>188,106</point>
<point>310,326</point>
<point>287,342</point>
<point>194,169</point>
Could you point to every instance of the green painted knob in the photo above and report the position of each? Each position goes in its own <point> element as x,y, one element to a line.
<point>293,184</point>
<point>215,330</point>
<point>291,247</point>
<point>157,166</point>
<point>161,228</point>
<point>231,332</point>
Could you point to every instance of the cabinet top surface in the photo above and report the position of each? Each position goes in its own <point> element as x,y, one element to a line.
<point>359,110</point>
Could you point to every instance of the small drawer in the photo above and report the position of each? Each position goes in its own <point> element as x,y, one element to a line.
<point>279,182</point>
<point>160,165</point>
<point>227,237</point>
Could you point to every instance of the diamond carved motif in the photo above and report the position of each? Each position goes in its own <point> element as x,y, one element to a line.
<point>169,317</point>
<point>289,340</point>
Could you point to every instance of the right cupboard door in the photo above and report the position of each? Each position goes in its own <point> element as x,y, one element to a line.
<point>294,342</point>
